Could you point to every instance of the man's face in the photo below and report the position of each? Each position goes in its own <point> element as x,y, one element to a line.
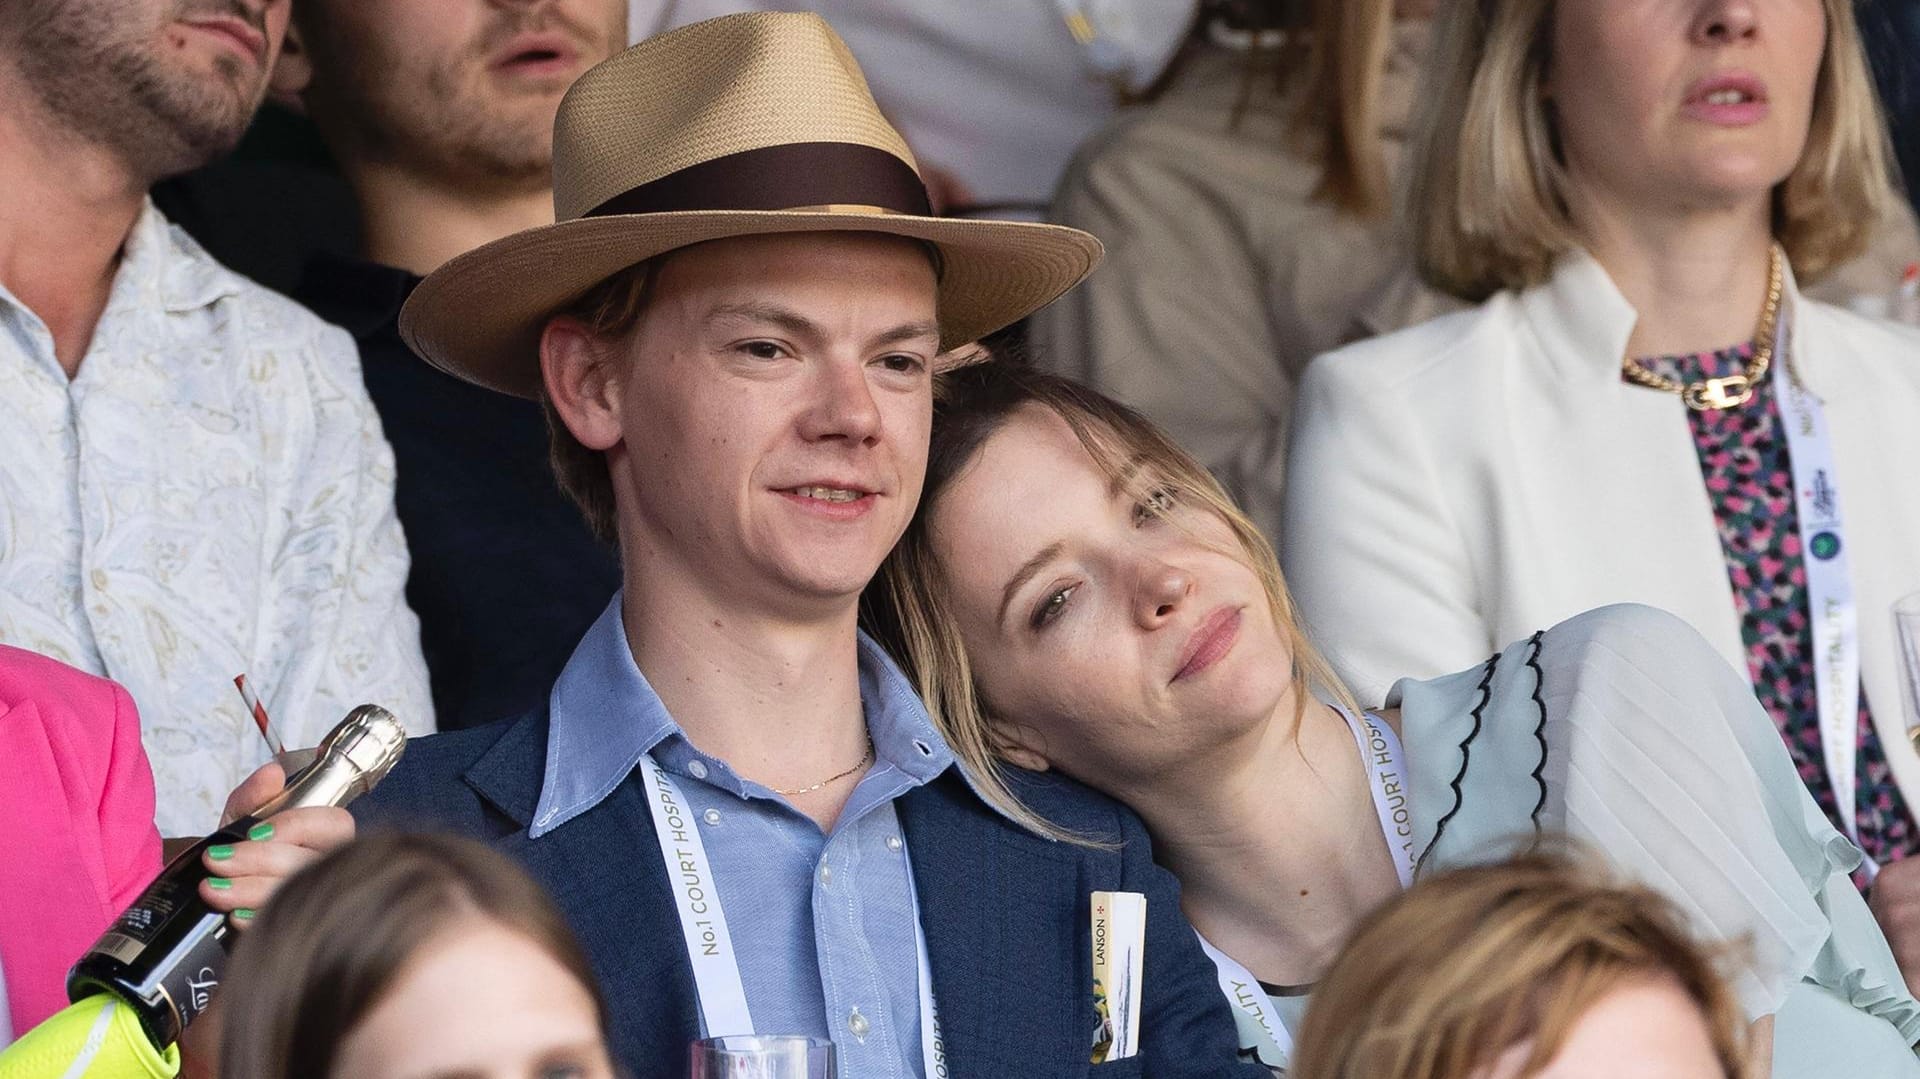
<point>167,85</point>
<point>462,89</point>
<point>774,407</point>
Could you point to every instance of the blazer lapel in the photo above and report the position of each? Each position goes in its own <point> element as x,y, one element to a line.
<point>1006,919</point>
<point>604,870</point>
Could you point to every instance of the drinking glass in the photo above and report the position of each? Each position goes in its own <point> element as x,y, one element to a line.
<point>1906,621</point>
<point>761,1056</point>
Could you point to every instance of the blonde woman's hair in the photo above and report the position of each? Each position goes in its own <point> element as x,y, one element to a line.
<point>1488,189</point>
<point>906,606</point>
<point>1331,58</point>
<point>1471,962</point>
<point>1345,69</point>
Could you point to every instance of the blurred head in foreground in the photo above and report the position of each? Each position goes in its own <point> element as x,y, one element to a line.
<point>1533,967</point>
<point>404,955</point>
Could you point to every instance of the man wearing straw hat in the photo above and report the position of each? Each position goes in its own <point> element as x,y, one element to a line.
<point>747,814</point>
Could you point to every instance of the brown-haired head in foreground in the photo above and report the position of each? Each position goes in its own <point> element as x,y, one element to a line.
<point>1488,200</point>
<point>335,936</point>
<point>905,607</point>
<point>1471,962</point>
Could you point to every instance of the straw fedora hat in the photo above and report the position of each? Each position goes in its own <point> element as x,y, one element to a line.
<point>742,125</point>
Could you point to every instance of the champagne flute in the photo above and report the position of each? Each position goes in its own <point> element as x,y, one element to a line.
<point>1906,622</point>
<point>761,1056</point>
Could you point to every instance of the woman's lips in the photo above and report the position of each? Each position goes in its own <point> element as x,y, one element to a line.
<point>1732,99</point>
<point>1210,643</point>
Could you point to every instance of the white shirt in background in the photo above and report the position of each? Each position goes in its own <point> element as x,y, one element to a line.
<point>996,93</point>
<point>211,495</point>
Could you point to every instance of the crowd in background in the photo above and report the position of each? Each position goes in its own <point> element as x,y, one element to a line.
<point>1171,395</point>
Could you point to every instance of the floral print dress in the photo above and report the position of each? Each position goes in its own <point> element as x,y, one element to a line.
<point>1749,478</point>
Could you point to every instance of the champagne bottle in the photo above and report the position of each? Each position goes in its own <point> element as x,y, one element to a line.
<point>164,956</point>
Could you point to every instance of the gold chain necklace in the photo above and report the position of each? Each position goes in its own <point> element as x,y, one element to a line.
<point>865,759</point>
<point>1731,390</point>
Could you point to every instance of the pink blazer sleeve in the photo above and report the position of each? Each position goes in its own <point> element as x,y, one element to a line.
<point>77,839</point>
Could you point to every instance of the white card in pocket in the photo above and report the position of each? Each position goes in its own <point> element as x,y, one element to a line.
<point>1119,954</point>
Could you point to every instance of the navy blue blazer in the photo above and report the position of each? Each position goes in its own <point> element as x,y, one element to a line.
<point>1006,912</point>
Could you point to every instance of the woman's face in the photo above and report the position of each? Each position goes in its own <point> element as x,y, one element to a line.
<point>1109,639</point>
<point>1649,1028</point>
<point>1682,104</point>
<point>478,1001</point>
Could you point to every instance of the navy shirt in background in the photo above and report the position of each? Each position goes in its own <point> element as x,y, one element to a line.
<point>506,578</point>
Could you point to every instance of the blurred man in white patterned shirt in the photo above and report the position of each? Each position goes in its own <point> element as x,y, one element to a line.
<point>193,483</point>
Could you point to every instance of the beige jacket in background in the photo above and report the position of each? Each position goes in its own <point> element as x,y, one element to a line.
<point>1223,275</point>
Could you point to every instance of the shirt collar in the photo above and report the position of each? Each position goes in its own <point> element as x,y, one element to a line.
<point>604,716</point>
<point>1583,321</point>
<point>180,271</point>
<point>159,264</point>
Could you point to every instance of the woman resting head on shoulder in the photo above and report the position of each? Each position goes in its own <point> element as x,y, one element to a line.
<point>1531,968</point>
<point>1077,593</point>
<point>401,956</point>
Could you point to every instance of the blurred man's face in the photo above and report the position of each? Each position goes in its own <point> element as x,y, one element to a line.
<point>464,90</point>
<point>167,85</point>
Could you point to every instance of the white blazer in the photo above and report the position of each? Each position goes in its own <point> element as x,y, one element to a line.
<point>1464,482</point>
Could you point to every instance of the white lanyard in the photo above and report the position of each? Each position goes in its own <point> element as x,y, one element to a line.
<point>1243,992</point>
<point>703,926</point>
<point>1830,606</point>
<point>1385,764</point>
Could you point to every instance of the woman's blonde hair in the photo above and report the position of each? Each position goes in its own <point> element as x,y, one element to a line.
<point>1488,194</point>
<point>1440,982</point>
<point>1330,58</point>
<point>906,606</point>
<point>1344,75</point>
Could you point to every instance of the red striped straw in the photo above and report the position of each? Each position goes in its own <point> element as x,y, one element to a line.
<point>267,729</point>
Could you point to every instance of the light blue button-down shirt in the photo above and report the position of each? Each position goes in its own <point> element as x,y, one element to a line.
<point>823,923</point>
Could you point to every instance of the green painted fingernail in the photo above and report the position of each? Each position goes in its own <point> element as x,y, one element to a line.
<point>260,832</point>
<point>245,914</point>
<point>220,852</point>
<point>219,884</point>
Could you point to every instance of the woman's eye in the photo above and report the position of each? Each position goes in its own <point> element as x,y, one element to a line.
<point>1051,607</point>
<point>1157,503</point>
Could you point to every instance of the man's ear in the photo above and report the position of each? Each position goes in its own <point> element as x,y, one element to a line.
<point>582,382</point>
<point>292,72</point>
<point>1022,747</point>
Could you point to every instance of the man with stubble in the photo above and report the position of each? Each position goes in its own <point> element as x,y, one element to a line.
<point>440,115</point>
<point>193,483</point>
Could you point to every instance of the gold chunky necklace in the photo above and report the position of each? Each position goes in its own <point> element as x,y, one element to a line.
<point>1731,390</point>
<point>865,759</point>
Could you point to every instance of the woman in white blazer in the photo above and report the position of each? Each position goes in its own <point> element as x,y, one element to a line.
<point>1643,407</point>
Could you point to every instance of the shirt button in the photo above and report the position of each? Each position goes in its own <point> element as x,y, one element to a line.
<point>697,769</point>
<point>711,816</point>
<point>826,875</point>
<point>857,1024</point>
<point>894,844</point>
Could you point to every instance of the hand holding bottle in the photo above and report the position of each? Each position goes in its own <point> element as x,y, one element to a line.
<point>245,872</point>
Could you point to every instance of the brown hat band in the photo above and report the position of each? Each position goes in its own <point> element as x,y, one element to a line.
<point>780,178</point>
